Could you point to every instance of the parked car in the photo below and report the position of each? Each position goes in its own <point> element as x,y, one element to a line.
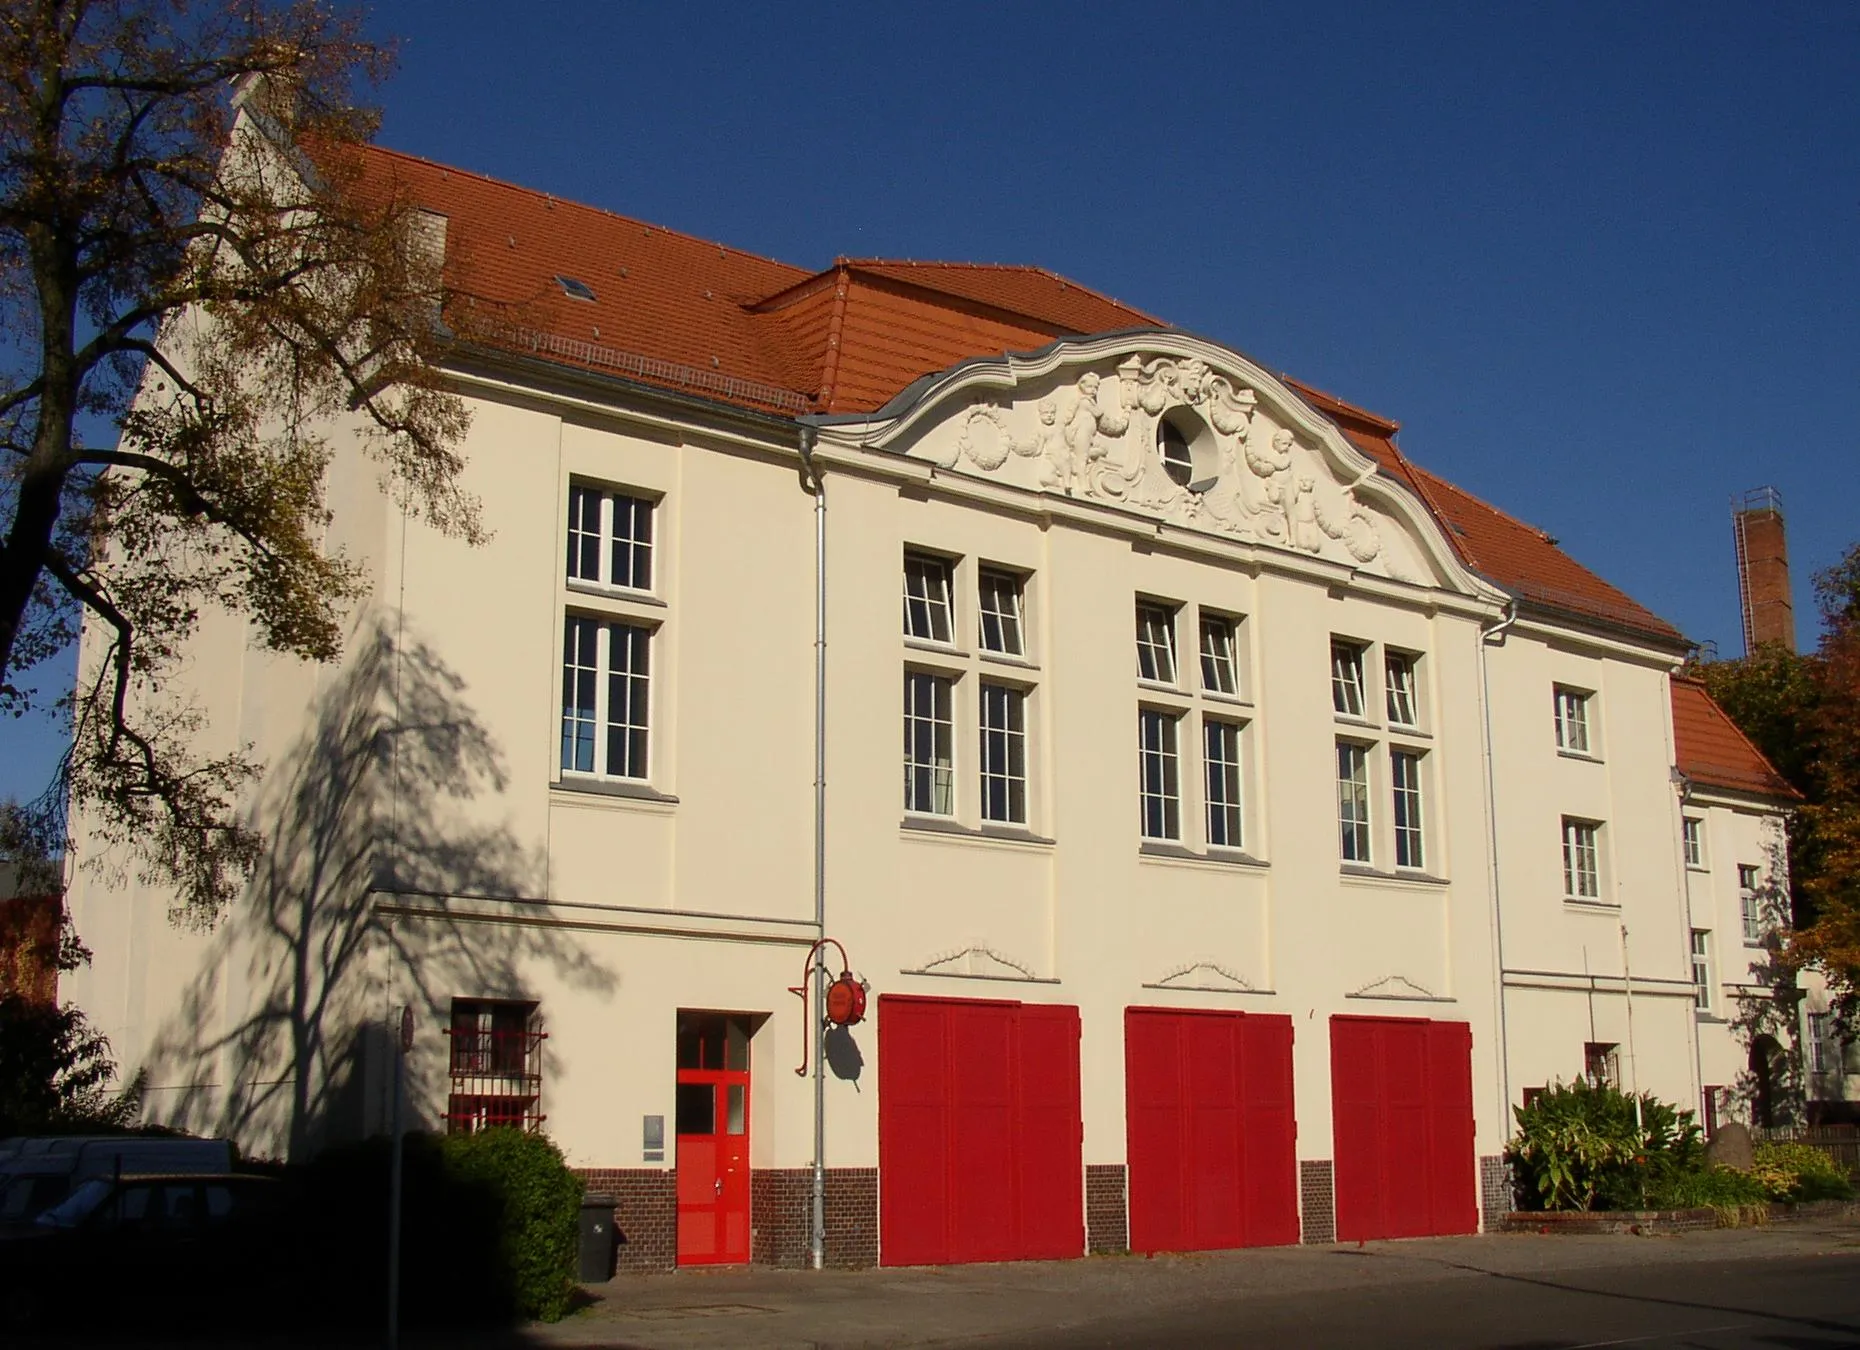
<point>37,1173</point>
<point>163,1247</point>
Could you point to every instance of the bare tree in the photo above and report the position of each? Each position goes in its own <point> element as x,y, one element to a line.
<point>200,285</point>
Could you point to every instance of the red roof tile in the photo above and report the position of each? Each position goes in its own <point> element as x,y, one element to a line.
<point>1712,752</point>
<point>679,311</point>
<point>1032,292</point>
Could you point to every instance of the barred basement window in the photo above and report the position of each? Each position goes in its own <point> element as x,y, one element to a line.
<point>495,1065</point>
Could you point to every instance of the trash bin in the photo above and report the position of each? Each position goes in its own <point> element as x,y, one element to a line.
<point>597,1239</point>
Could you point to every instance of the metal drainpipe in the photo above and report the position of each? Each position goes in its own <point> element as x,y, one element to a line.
<point>1487,637</point>
<point>818,1243</point>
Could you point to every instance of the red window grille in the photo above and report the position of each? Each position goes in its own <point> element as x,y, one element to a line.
<point>495,1066</point>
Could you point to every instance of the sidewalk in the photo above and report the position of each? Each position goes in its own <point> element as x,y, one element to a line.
<point>758,1309</point>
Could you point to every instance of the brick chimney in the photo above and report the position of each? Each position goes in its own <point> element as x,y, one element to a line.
<point>1763,569</point>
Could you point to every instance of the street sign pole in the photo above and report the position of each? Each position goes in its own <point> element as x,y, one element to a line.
<point>403,1042</point>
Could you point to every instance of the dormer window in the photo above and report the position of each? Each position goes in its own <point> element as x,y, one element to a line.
<point>1172,445</point>
<point>575,288</point>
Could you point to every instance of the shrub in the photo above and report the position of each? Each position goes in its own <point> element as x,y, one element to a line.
<point>1720,1188</point>
<point>538,1204</point>
<point>1798,1172</point>
<point>488,1227</point>
<point>1582,1146</point>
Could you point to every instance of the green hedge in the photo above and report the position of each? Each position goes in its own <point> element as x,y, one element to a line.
<point>538,1204</point>
<point>489,1226</point>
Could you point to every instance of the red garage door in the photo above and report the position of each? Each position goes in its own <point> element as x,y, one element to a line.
<point>1208,1111</point>
<point>1402,1125</point>
<point>978,1132</point>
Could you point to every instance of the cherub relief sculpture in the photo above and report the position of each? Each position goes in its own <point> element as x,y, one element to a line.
<point>1097,439</point>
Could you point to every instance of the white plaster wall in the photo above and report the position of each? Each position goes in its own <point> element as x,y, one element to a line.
<point>596,905</point>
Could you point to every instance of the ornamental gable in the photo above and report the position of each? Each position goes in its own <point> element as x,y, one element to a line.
<point>1185,437</point>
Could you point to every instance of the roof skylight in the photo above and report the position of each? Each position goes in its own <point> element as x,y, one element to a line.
<point>575,288</point>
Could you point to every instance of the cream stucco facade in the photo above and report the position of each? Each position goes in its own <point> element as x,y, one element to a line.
<point>427,844</point>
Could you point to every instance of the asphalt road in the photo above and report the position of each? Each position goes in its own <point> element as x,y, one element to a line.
<point>1792,1288</point>
<point>1790,1303</point>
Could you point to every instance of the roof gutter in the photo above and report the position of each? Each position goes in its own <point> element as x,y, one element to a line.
<point>615,388</point>
<point>810,469</point>
<point>1488,638</point>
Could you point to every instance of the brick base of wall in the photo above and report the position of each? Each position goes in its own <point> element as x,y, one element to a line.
<point>1317,1200</point>
<point>1107,1214</point>
<point>645,1213</point>
<point>1495,1199</point>
<point>781,1214</point>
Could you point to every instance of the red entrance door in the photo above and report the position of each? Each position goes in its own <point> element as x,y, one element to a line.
<point>1402,1122</point>
<point>1212,1142</point>
<point>978,1131</point>
<point>713,1139</point>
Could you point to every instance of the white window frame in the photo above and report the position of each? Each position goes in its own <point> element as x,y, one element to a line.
<point>1817,1039</point>
<point>1582,860</point>
<point>637,755</point>
<point>929,586</point>
<point>1000,598</point>
<point>1218,645</point>
<point>1572,710</point>
<point>1157,661</point>
<point>612,506</point>
<point>1159,773</point>
<point>1349,681</point>
<point>989,648</point>
<point>1750,904</point>
<point>1224,781</point>
<point>1704,981</point>
<point>1355,820</point>
<point>1408,809</point>
<point>1002,754</point>
<point>1401,683</point>
<point>1178,467</point>
<point>936,794</point>
<point>1692,841</point>
<point>1203,651</point>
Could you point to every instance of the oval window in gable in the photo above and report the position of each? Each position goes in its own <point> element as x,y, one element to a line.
<point>1177,460</point>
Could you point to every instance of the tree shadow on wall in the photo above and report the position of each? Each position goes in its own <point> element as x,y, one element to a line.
<point>1771,1091</point>
<point>306,965</point>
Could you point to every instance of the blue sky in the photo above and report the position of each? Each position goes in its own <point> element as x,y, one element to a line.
<point>1602,262</point>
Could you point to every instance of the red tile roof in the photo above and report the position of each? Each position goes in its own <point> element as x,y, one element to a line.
<point>1712,752</point>
<point>677,311</point>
